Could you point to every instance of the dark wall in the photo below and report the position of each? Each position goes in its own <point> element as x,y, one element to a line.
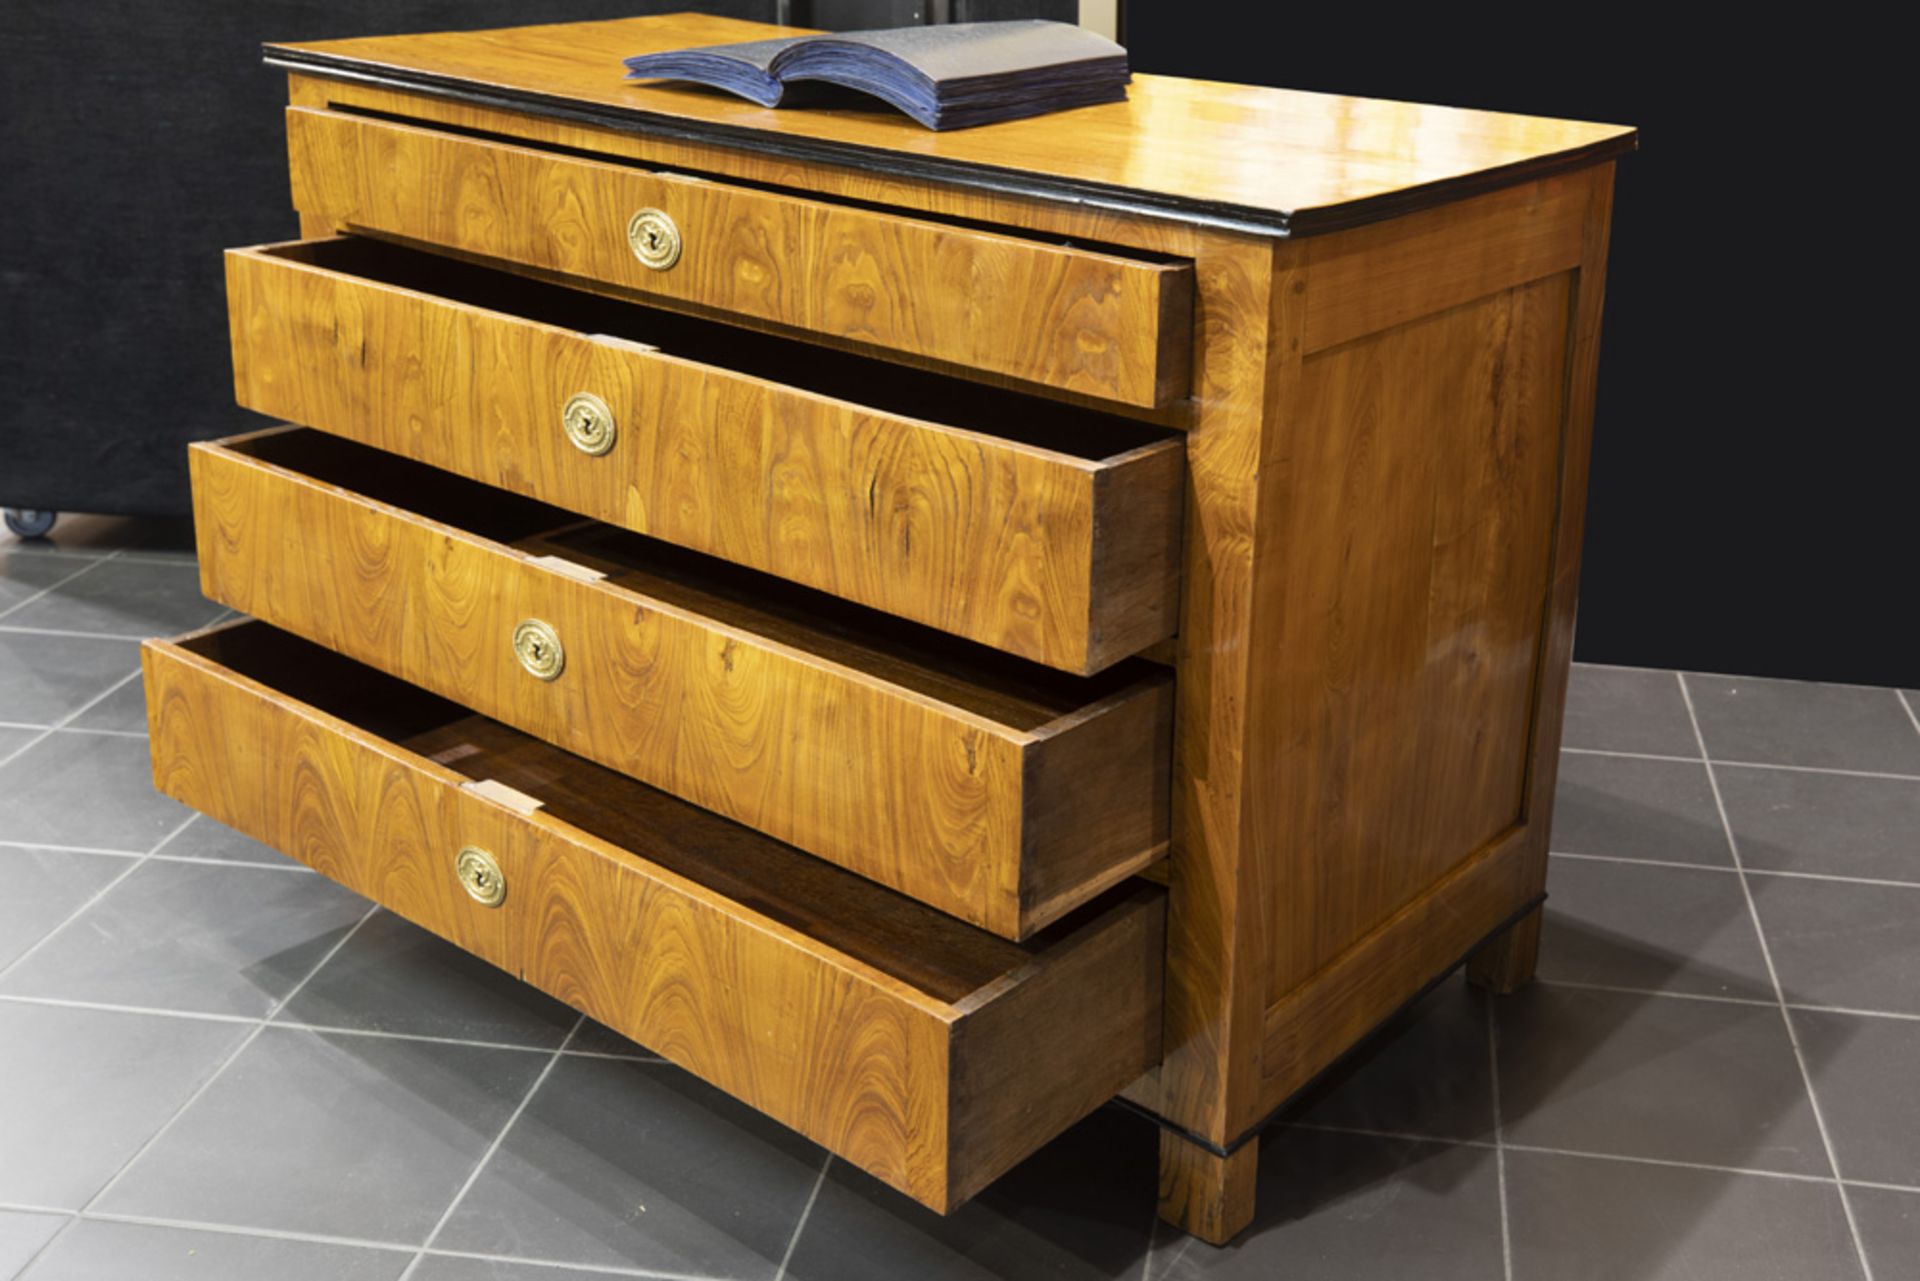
<point>1755,482</point>
<point>137,140</point>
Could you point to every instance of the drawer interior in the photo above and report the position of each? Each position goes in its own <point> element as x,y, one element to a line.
<point>1067,429</point>
<point>1012,691</point>
<point>935,953</point>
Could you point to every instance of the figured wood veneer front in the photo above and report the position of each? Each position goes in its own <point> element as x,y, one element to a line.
<point>1006,795</point>
<point>1077,319</point>
<point>935,1085</point>
<point>1067,560</point>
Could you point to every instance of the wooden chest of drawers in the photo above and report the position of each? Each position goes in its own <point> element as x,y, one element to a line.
<point>930,632</point>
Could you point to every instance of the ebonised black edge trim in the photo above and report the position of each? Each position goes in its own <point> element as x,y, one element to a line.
<point>1251,1132</point>
<point>1210,214</point>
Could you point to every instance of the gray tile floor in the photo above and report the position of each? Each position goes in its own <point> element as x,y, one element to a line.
<point>214,1064</point>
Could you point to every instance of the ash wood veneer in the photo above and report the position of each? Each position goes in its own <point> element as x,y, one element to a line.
<point>1061,316</point>
<point>1384,403</point>
<point>929,1054</point>
<point>998,791</point>
<point>1056,537</point>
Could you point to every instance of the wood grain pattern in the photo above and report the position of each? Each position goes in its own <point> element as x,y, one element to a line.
<point>1411,646</point>
<point>1521,945</point>
<point>1313,1024</point>
<point>1210,1196</point>
<point>949,773</point>
<point>1505,963</point>
<point>1281,156</point>
<point>1080,221</point>
<point>1215,949</point>
<point>1383,525</point>
<point>1092,322</point>
<point>1372,280</point>
<point>923,1089</point>
<point>1491,733</point>
<point>1015,540</point>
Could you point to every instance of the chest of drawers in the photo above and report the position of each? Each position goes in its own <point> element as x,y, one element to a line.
<point>929,632</point>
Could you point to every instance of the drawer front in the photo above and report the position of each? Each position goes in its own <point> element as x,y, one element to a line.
<point>924,1052</point>
<point>1096,323</point>
<point>1003,804</point>
<point>1059,558</point>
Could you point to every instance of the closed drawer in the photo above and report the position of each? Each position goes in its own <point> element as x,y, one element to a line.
<point>997,790</point>
<point>930,1054</point>
<point>1088,321</point>
<point>1054,533</point>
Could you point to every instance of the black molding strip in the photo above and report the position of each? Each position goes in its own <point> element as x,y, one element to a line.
<point>1216,215</point>
<point>1253,1131</point>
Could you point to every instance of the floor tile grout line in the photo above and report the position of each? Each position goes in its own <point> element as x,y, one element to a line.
<point>226,1063</point>
<point>601,1269</point>
<point>72,849</point>
<point>134,864</point>
<point>115,1007</point>
<point>1621,989</point>
<point>41,1249</point>
<point>238,1230</point>
<point>1907,703</point>
<point>321,1238</point>
<point>1805,1007</point>
<point>1890,775</point>
<point>1499,1137</point>
<point>1153,1242</point>
<point>800,1225</point>
<point>473,1175</point>
<point>245,1041</point>
<point>1631,756</point>
<point>283,865</point>
<point>322,1029</point>
<point>1792,874</point>
<point>1789,1176</point>
<point>73,729</point>
<point>25,601</point>
<point>1538,1149</point>
<point>1728,764</point>
<point>69,718</point>
<point>70,633</point>
<point>241,864</point>
<point>1779,991</point>
<point>1912,1189</point>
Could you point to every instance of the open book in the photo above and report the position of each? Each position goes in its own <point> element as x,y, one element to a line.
<point>946,76</point>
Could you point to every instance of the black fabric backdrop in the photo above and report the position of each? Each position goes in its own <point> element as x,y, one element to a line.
<point>1756,470</point>
<point>137,140</point>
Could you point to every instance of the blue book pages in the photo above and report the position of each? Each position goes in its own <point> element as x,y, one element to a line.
<point>950,76</point>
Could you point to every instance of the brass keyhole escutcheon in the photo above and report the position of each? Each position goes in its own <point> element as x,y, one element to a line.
<point>588,423</point>
<point>655,240</point>
<point>480,876</point>
<point>537,646</point>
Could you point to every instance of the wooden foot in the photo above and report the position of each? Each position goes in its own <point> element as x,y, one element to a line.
<point>1505,963</point>
<point>1207,1195</point>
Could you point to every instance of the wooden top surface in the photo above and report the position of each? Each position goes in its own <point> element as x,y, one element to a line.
<point>1272,160</point>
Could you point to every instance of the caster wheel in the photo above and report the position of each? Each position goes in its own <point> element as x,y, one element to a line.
<point>30,524</point>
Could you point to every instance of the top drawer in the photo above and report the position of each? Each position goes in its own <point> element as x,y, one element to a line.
<point>1097,323</point>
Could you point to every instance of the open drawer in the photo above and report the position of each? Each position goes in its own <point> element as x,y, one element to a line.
<point>1097,321</point>
<point>1046,530</point>
<point>926,1052</point>
<point>995,789</point>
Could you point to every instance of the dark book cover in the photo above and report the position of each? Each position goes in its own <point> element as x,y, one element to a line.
<point>947,76</point>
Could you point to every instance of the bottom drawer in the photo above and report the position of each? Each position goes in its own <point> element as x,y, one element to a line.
<point>929,1053</point>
